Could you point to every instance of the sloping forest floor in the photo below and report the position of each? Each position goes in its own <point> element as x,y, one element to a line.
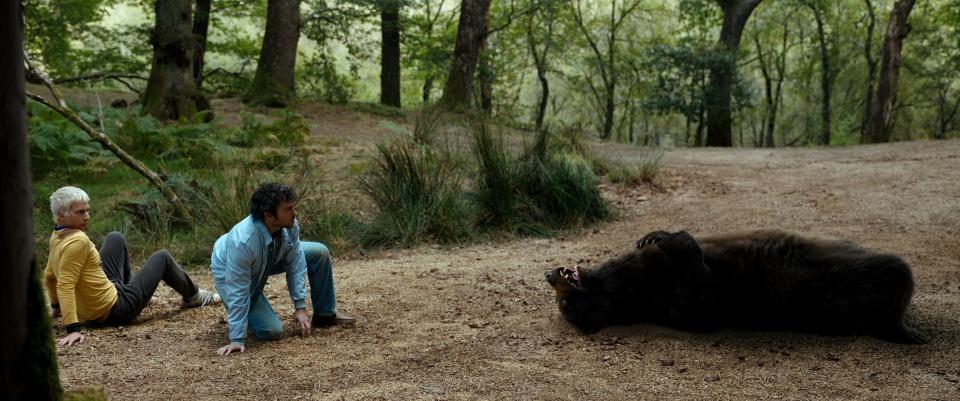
<point>478,321</point>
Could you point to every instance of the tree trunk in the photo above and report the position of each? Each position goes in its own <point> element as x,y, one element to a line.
<point>427,88</point>
<point>15,206</point>
<point>171,91</point>
<point>609,108</point>
<point>824,76</point>
<point>719,119</point>
<point>767,140</point>
<point>698,136</point>
<point>28,364</point>
<point>273,85</point>
<point>544,94</point>
<point>540,62</point>
<point>485,75</point>
<point>871,70</point>
<point>881,110</point>
<point>471,31</point>
<point>390,53</point>
<point>201,21</point>
<point>945,112</point>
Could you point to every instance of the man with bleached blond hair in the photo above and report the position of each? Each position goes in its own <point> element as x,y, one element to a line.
<point>85,285</point>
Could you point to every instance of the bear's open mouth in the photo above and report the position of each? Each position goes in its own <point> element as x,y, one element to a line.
<point>572,276</point>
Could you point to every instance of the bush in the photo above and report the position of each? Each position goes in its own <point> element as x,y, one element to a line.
<point>645,171</point>
<point>320,222</point>
<point>418,196</point>
<point>496,194</point>
<point>563,189</point>
<point>55,143</point>
<point>289,130</point>
<point>199,143</point>
<point>540,191</point>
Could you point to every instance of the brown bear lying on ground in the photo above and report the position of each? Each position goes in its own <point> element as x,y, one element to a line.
<point>767,279</point>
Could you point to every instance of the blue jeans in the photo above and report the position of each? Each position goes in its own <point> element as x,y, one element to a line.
<point>263,321</point>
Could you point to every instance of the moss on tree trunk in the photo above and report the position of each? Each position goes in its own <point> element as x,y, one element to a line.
<point>40,359</point>
<point>273,85</point>
<point>171,91</point>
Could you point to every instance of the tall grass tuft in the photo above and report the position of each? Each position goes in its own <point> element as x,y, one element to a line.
<point>319,219</point>
<point>496,196</point>
<point>540,191</point>
<point>417,192</point>
<point>645,171</point>
<point>426,125</point>
<point>227,202</point>
<point>563,189</point>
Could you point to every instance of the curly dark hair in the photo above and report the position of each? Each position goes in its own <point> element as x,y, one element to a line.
<point>267,198</point>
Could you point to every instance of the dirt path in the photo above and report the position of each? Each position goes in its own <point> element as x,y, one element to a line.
<point>479,322</point>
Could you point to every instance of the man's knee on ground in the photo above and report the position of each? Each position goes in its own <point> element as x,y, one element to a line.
<point>269,333</point>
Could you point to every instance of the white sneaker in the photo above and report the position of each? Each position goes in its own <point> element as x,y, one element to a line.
<point>202,298</point>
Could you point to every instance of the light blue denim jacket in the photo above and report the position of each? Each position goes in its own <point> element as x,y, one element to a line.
<point>239,263</point>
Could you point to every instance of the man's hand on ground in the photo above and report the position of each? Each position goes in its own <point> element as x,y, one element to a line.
<point>303,322</point>
<point>71,339</point>
<point>232,347</point>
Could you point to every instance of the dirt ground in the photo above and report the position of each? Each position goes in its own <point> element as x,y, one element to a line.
<point>478,322</point>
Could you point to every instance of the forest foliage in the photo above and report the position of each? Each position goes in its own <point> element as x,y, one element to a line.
<point>646,61</point>
<point>633,71</point>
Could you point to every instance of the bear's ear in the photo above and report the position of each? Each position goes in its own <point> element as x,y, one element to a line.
<point>682,248</point>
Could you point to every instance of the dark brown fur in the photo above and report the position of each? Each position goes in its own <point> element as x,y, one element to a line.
<point>764,279</point>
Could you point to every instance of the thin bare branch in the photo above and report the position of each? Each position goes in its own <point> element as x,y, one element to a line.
<point>60,106</point>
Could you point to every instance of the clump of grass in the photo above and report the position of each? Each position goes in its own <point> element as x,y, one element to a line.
<point>644,171</point>
<point>291,129</point>
<point>426,125</point>
<point>197,141</point>
<point>564,190</point>
<point>496,195</point>
<point>320,220</point>
<point>417,193</point>
<point>376,109</point>
<point>543,190</point>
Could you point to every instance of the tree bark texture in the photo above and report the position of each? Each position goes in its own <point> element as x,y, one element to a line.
<point>945,112</point>
<point>201,22</point>
<point>171,91</point>
<point>825,75</point>
<point>390,53</point>
<point>770,119</point>
<point>881,110</point>
<point>28,364</point>
<point>485,76</point>
<point>719,114</point>
<point>273,85</point>
<point>427,88</point>
<point>540,62</point>
<point>16,249</point>
<point>871,70</point>
<point>471,32</point>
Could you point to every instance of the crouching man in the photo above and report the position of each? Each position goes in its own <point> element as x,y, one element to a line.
<point>265,243</point>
